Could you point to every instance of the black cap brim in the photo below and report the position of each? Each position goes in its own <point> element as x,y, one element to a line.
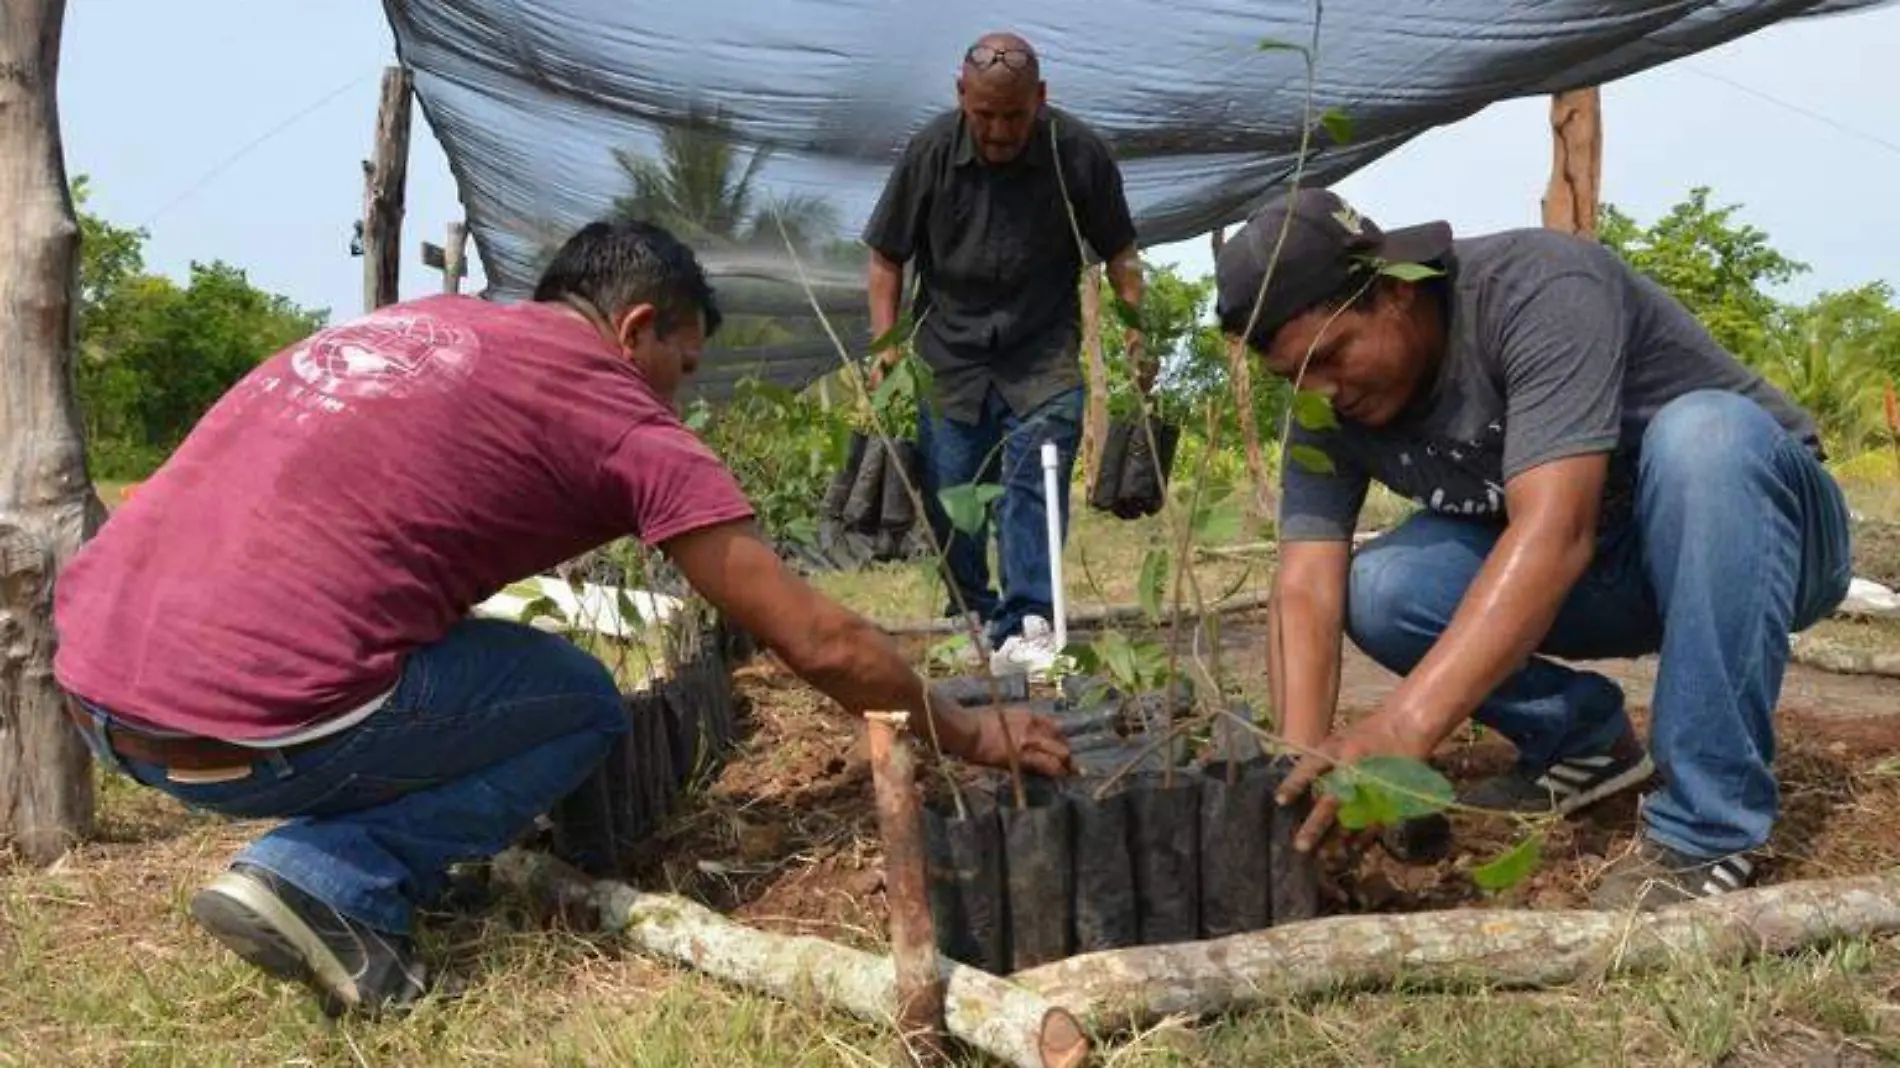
<point>1425,243</point>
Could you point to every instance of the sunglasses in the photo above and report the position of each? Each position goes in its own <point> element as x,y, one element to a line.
<point>982,57</point>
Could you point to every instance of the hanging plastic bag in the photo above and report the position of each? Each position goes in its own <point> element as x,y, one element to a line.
<point>1132,480</point>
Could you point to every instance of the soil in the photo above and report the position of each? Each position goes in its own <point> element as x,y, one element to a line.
<point>1877,551</point>
<point>785,837</point>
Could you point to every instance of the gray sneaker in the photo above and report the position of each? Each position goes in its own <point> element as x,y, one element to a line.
<point>1567,785</point>
<point>352,967</point>
<point>1653,875</point>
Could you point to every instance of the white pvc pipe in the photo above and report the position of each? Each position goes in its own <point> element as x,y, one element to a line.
<point>1052,499</point>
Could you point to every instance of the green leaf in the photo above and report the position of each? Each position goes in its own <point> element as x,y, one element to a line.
<point>630,617</point>
<point>1382,791</point>
<point>948,653</point>
<point>1409,272</point>
<point>1511,867</point>
<point>967,506</point>
<point>1311,460</point>
<point>698,416</point>
<point>1154,582</point>
<point>1314,411</point>
<point>894,336</point>
<point>1128,314</point>
<point>1338,125</point>
<point>1085,657</point>
<point>1114,653</point>
<point>1274,44</point>
<point>899,385</point>
<point>1218,521</point>
<point>542,606</point>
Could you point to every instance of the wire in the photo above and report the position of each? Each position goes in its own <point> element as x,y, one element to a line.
<point>229,161</point>
<point>1873,139</point>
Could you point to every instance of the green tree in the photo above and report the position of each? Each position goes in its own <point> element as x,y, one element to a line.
<point>1834,357</point>
<point>154,356</point>
<point>1718,267</point>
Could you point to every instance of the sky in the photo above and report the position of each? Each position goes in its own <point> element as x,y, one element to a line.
<point>248,146</point>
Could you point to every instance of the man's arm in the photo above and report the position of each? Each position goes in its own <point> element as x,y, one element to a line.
<point>886,285</point>
<point>1124,275</point>
<point>1512,603</point>
<point>1304,628</point>
<point>843,654</point>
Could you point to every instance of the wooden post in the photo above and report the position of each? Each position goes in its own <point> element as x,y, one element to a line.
<point>1095,414</point>
<point>920,985</point>
<point>384,177</point>
<point>455,258</point>
<point>47,505</point>
<point>1576,165</point>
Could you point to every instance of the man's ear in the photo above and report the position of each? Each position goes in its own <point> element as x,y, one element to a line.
<point>638,318</point>
<point>1042,93</point>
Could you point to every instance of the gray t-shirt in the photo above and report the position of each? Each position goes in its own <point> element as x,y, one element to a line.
<point>1556,348</point>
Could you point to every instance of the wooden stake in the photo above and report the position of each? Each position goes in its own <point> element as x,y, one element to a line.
<point>1576,166</point>
<point>47,505</point>
<point>455,258</point>
<point>920,1029</point>
<point>384,176</point>
<point>1095,414</point>
<point>990,1014</point>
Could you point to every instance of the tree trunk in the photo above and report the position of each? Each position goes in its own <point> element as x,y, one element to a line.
<point>1241,368</point>
<point>384,179</point>
<point>47,506</point>
<point>921,1038</point>
<point>991,1014</point>
<point>1123,989</point>
<point>1576,166</point>
<point>1095,415</point>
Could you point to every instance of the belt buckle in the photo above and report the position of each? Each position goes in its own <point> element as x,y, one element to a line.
<point>206,776</point>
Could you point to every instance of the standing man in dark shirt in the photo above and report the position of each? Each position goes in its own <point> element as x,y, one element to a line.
<point>978,204</point>
<point>1598,479</point>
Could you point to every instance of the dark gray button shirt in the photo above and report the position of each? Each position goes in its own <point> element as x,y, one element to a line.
<point>996,255</point>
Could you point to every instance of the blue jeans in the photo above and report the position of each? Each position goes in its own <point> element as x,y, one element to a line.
<point>1004,448</point>
<point>487,729</point>
<point>1739,537</point>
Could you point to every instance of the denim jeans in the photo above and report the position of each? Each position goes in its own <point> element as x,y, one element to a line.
<point>486,729</point>
<point>1738,538</point>
<point>1004,448</point>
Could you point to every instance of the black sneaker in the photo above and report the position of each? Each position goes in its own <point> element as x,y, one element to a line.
<point>352,967</point>
<point>1653,875</point>
<point>1567,785</point>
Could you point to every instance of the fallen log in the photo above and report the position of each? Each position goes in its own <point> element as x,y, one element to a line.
<point>1126,989</point>
<point>991,1014</point>
<point>1820,653</point>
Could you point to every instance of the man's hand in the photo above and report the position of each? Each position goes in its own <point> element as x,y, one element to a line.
<point>1038,742</point>
<point>1389,732</point>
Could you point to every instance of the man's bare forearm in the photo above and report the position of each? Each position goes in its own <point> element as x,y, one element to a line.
<point>885,281</point>
<point>1304,628</point>
<point>1124,275</point>
<point>857,665</point>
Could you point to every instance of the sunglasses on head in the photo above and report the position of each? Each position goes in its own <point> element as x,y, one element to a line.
<point>982,57</point>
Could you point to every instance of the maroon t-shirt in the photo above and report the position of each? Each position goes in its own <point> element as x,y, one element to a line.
<point>354,496</point>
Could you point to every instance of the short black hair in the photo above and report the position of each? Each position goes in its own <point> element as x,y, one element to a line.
<point>615,264</point>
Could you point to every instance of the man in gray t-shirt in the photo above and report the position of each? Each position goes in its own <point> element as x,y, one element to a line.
<point>1597,478</point>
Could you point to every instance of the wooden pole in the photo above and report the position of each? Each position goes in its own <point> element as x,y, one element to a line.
<point>1095,414</point>
<point>1240,372</point>
<point>47,505</point>
<point>384,177</point>
<point>455,258</point>
<point>1576,165</point>
<point>920,985</point>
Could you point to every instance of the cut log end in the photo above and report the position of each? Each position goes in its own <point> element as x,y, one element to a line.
<point>1062,1041</point>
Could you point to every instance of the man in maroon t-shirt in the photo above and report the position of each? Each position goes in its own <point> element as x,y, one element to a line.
<point>277,625</point>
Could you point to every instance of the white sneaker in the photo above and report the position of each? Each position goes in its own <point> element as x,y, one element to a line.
<point>1032,653</point>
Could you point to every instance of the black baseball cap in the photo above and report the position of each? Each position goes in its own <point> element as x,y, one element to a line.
<point>1328,244</point>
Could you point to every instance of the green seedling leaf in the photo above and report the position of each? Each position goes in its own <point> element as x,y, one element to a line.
<point>1338,125</point>
<point>542,606</point>
<point>1128,314</point>
<point>1086,659</point>
<point>1512,866</point>
<point>629,612</point>
<point>948,653</point>
<point>893,337</point>
<point>1154,582</point>
<point>1409,272</point>
<point>698,416</point>
<point>1382,791</point>
<point>1113,653</point>
<point>1314,411</point>
<point>899,385</point>
<point>966,506</point>
<point>1311,460</point>
<point>1274,44</point>
<point>1217,522</point>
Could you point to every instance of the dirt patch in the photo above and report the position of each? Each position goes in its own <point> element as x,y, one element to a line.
<point>1877,551</point>
<point>785,838</point>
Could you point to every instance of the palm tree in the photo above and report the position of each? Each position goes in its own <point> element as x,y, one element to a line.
<point>699,190</point>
